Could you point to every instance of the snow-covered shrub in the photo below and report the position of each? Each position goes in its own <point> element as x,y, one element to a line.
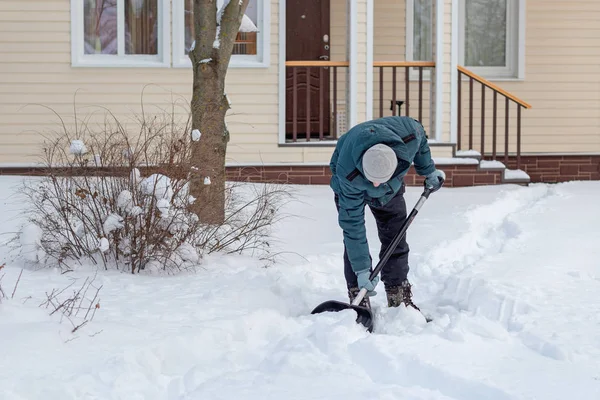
<point>121,200</point>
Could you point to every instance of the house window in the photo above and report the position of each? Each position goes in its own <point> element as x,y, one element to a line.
<point>250,43</point>
<point>419,35</point>
<point>420,30</point>
<point>119,33</point>
<point>489,42</point>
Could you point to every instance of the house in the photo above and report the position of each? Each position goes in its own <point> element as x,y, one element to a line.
<point>508,90</point>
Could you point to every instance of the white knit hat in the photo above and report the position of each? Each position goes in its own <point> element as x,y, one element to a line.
<point>379,163</point>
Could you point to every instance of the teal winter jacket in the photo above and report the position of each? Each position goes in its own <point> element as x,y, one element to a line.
<point>407,138</point>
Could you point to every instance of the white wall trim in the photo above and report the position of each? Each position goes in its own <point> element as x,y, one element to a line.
<point>439,69</point>
<point>370,34</point>
<point>353,73</point>
<point>515,37</point>
<point>521,39</point>
<point>454,75</point>
<point>161,60</point>
<point>281,61</point>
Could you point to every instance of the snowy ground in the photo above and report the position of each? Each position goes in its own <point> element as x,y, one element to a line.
<point>510,274</point>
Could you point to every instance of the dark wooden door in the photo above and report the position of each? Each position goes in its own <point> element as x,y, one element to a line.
<point>307,39</point>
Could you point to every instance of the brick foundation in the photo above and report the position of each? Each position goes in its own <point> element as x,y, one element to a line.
<point>547,169</point>
<point>456,175</point>
<point>556,168</point>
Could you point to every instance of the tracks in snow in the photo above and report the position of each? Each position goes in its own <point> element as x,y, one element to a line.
<point>454,275</point>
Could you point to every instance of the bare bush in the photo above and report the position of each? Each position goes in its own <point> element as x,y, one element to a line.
<point>78,307</point>
<point>121,199</point>
<point>3,295</point>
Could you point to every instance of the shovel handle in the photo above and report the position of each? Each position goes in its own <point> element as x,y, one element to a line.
<point>394,243</point>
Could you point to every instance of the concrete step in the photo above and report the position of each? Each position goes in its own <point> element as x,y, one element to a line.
<point>468,154</point>
<point>515,176</point>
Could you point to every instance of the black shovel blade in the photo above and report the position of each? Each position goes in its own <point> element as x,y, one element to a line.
<point>364,315</point>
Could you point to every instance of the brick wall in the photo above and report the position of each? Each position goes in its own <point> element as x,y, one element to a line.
<point>552,169</point>
<point>456,175</point>
<point>549,169</point>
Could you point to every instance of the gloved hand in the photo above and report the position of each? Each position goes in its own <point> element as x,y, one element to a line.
<point>434,180</point>
<point>364,282</point>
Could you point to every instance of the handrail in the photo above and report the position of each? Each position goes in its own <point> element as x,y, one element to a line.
<point>404,64</point>
<point>490,85</point>
<point>310,63</point>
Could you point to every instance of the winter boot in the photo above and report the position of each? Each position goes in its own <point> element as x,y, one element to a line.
<point>402,293</point>
<point>365,302</point>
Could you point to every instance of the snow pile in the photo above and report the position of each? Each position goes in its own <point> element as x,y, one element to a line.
<point>485,164</point>
<point>516,174</point>
<point>196,135</point>
<point>77,147</point>
<point>247,25</point>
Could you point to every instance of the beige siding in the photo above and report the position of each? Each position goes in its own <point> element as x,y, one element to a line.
<point>562,82</point>
<point>37,79</point>
<point>35,70</point>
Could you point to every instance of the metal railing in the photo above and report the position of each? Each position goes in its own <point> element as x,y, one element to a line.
<point>391,94</point>
<point>312,99</point>
<point>508,100</point>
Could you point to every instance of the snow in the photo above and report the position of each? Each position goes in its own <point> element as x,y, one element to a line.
<point>125,201</point>
<point>112,223</point>
<point>455,160</point>
<point>196,135</point>
<point>509,274</point>
<point>247,25</point>
<point>104,245</point>
<point>207,180</point>
<point>30,241</point>
<point>164,206</point>
<point>205,61</point>
<point>158,185</point>
<point>485,164</point>
<point>515,174</point>
<point>77,147</point>
<point>468,153</point>
<point>217,42</point>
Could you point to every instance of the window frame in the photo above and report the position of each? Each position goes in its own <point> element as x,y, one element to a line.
<point>80,59</point>
<point>515,44</point>
<point>260,60</point>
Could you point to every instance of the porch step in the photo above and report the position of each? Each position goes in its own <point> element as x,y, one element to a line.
<point>516,176</point>
<point>492,165</point>
<point>468,154</point>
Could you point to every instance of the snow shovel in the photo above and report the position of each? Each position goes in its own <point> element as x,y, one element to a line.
<point>364,315</point>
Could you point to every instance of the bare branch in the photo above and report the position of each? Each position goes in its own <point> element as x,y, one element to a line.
<point>229,27</point>
<point>16,284</point>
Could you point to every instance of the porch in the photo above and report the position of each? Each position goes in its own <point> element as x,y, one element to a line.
<point>333,81</point>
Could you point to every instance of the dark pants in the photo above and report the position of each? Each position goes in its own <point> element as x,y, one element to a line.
<point>389,220</point>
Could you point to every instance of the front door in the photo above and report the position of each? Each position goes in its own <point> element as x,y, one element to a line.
<point>307,39</point>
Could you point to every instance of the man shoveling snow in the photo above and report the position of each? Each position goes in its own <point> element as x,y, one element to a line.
<point>368,168</point>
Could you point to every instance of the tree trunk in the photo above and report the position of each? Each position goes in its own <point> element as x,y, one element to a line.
<point>209,105</point>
